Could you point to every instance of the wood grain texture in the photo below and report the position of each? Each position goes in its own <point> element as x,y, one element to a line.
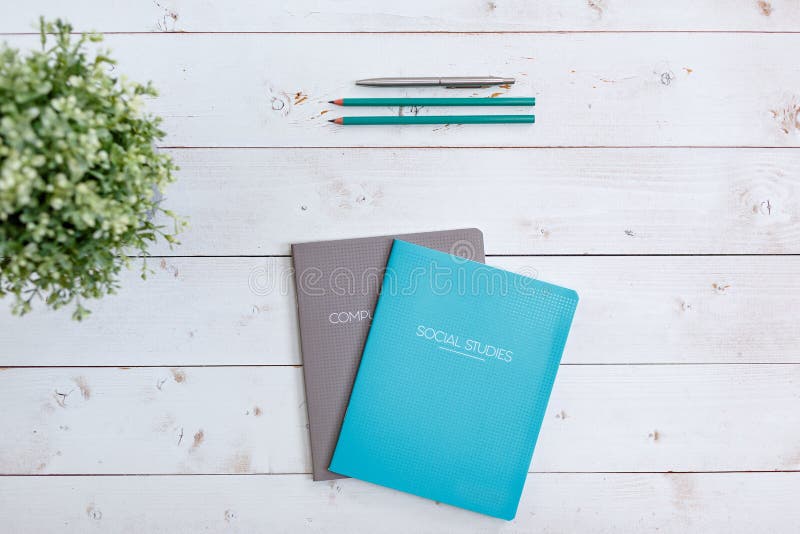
<point>155,420</point>
<point>253,420</point>
<point>411,15</point>
<point>551,503</point>
<point>529,201</point>
<point>705,368</point>
<point>671,89</point>
<point>196,311</point>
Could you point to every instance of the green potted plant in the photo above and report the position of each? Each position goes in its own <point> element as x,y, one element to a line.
<point>80,175</point>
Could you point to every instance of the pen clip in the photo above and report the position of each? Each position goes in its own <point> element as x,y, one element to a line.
<point>466,86</point>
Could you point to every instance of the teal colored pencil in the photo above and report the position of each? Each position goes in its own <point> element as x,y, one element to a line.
<point>437,119</point>
<point>510,101</point>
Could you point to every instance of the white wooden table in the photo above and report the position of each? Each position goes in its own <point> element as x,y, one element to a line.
<point>661,181</point>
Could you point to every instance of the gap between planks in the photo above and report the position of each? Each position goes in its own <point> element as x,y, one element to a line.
<point>478,147</point>
<point>423,32</point>
<point>503,255</point>
<point>300,365</point>
<point>724,472</point>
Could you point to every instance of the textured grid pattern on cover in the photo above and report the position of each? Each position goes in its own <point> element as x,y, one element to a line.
<point>454,380</point>
<point>337,284</point>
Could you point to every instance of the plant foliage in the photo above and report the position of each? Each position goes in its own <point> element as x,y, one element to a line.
<point>80,177</point>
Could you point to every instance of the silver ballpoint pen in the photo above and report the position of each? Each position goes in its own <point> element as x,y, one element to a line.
<point>459,81</point>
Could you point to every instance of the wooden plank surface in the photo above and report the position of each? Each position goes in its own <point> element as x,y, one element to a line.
<point>531,201</point>
<point>608,89</point>
<point>200,311</point>
<point>411,15</point>
<point>652,418</point>
<point>551,503</point>
<point>185,392</point>
<point>155,420</point>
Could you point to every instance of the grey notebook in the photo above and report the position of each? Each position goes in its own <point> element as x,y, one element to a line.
<point>337,285</point>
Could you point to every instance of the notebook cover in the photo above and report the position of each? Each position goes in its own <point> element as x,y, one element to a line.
<point>454,380</point>
<point>337,285</point>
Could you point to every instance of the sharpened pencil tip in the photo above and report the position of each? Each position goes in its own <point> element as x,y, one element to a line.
<point>331,120</point>
<point>331,102</point>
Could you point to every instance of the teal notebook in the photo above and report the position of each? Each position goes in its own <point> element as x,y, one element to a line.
<point>454,380</point>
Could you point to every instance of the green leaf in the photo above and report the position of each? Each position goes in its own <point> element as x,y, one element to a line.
<point>78,169</point>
